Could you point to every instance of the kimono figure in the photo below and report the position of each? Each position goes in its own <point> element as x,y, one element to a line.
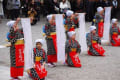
<point>99,21</point>
<point>16,49</point>
<point>72,50</point>
<point>114,33</point>
<point>69,24</point>
<point>38,72</point>
<point>50,31</point>
<point>94,43</point>
<point>75,21</point>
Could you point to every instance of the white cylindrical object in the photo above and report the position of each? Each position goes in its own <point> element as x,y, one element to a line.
<point>28,51</point>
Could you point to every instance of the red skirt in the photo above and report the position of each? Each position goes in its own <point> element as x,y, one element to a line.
<point>53,58</point>
<point>100,29</point>
<point>42,73</point>
<point>15,72</point>
<point>75,59</point>
<point>19,59</point>
<point>98,49</point>
<point>116,40</point>
<point>19,55</point>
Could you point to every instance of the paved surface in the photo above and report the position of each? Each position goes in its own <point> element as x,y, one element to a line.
<point>93,68</point>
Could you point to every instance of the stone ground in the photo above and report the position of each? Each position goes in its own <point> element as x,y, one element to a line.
<point>93,68</point>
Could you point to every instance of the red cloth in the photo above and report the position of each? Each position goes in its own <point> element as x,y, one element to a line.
<point>71,29</point>
<point>116,39</point>
<point>75,59</point>
<point>19,55</point>
<point>98,48</point>
<point>100,29</point>
<point>53,58</point>
<point>42,73</point>
<point>15,72</point>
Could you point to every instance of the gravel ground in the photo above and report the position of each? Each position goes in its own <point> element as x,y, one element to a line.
<point>93,68</point>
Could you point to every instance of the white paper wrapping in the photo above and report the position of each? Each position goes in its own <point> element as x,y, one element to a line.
<point>61,38</point>
<point>81,32</point>
<point>28,51</point>
<point>107,23</point>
